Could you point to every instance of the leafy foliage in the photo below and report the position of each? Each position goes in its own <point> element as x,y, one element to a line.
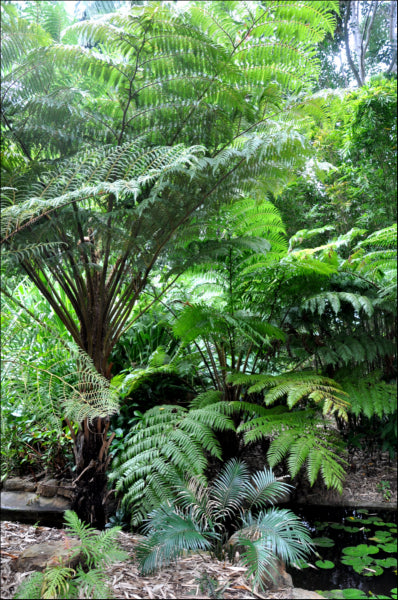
<point>167,443</point>
<point>198,519</point>
<point>59,581</point>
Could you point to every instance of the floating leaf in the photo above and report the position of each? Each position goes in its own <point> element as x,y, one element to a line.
<point>353,593</point>
<point>324,542</point>
<point>373,571</point>
<point>386,562</point>
<point>356,561</point>
<point>325,564</point>
<point>382,536</point>
<point>350,529</point>
<point>336,526</point>
<point>361,550</point>
<point>390,547</point>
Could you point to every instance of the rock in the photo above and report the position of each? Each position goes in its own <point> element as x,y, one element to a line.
<point>39,556</point>
<point>300,594</point>
<point>20,484</point>
<point>27,507</point>
<point>280,578</point>
<point>48,488</point>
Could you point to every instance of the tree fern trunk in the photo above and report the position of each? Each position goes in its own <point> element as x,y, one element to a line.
<point>92,460</point>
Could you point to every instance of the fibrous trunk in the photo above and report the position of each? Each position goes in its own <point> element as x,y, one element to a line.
<point>92,460</point>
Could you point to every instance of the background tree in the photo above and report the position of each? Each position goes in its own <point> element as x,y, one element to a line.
<point>110,129</point>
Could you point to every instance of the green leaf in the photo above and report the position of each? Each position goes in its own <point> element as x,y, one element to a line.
<point>390,547</point>
<point>360,550</point>
<point>323,542</point>
<point>325,564</point>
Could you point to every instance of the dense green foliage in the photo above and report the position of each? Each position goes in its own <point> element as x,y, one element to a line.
<point>89,579</point>
<point>200,519</point>
<point>199,255</point>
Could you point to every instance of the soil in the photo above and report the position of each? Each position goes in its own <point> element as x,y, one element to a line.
<point>184,579</point>
<point>361,487</point>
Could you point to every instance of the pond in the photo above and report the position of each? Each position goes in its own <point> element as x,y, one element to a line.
<point>356,549</point>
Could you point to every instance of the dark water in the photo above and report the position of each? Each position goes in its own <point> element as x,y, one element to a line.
<point>343,576</point>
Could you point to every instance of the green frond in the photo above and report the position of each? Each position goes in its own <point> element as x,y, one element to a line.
<point>56,582</point>
<point>228,489</point>
<point>257,557</point>
<point>170,533</point>
<point>263,488</point>
<point>296,387</point>
<point>320,302</point>
<point>310,448</point>
<point>274,532</point>
<point>370,396</point>
<point>93,584</point>
<point>170,442</point>
<point>66,384</point>
<point>31,587</point>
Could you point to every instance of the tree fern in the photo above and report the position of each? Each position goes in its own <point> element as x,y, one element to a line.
<point>150,465</point>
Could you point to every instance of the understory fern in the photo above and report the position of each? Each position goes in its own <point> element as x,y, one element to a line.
<point>297,428</point>
<point>88,580</point>
<point>198,518</point>
<point>369,396</point>
<point>295,388</point>
<point>169,442</point>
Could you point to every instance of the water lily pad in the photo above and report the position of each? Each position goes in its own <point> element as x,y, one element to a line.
<point>393,593</point>
<point>390,547</point>
<point>350,529</point>
<point>382,536</point>
<point>386,562</point>
<point>360,550</point>
<point>325,564</point>
<point>325,542</point>
<point>373,571</point>
<point>355,594</point>
<point>357,560</point>
<point>336,526</point>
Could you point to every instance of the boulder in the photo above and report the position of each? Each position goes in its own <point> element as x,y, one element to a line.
<point>40,556</point>
<point>19,484</point>
<point>27,507</point>
<point>280,578</point>
<point>47,488</point>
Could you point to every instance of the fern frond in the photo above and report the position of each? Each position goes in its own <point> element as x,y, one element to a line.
<point>228,488</point>
<point>309,447</point>
<point>93,584</point>
<point>56,582</point>
<point>171,532</point>
<point>31,587</point>
<point>149,466</point>
<point>274,532</point>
